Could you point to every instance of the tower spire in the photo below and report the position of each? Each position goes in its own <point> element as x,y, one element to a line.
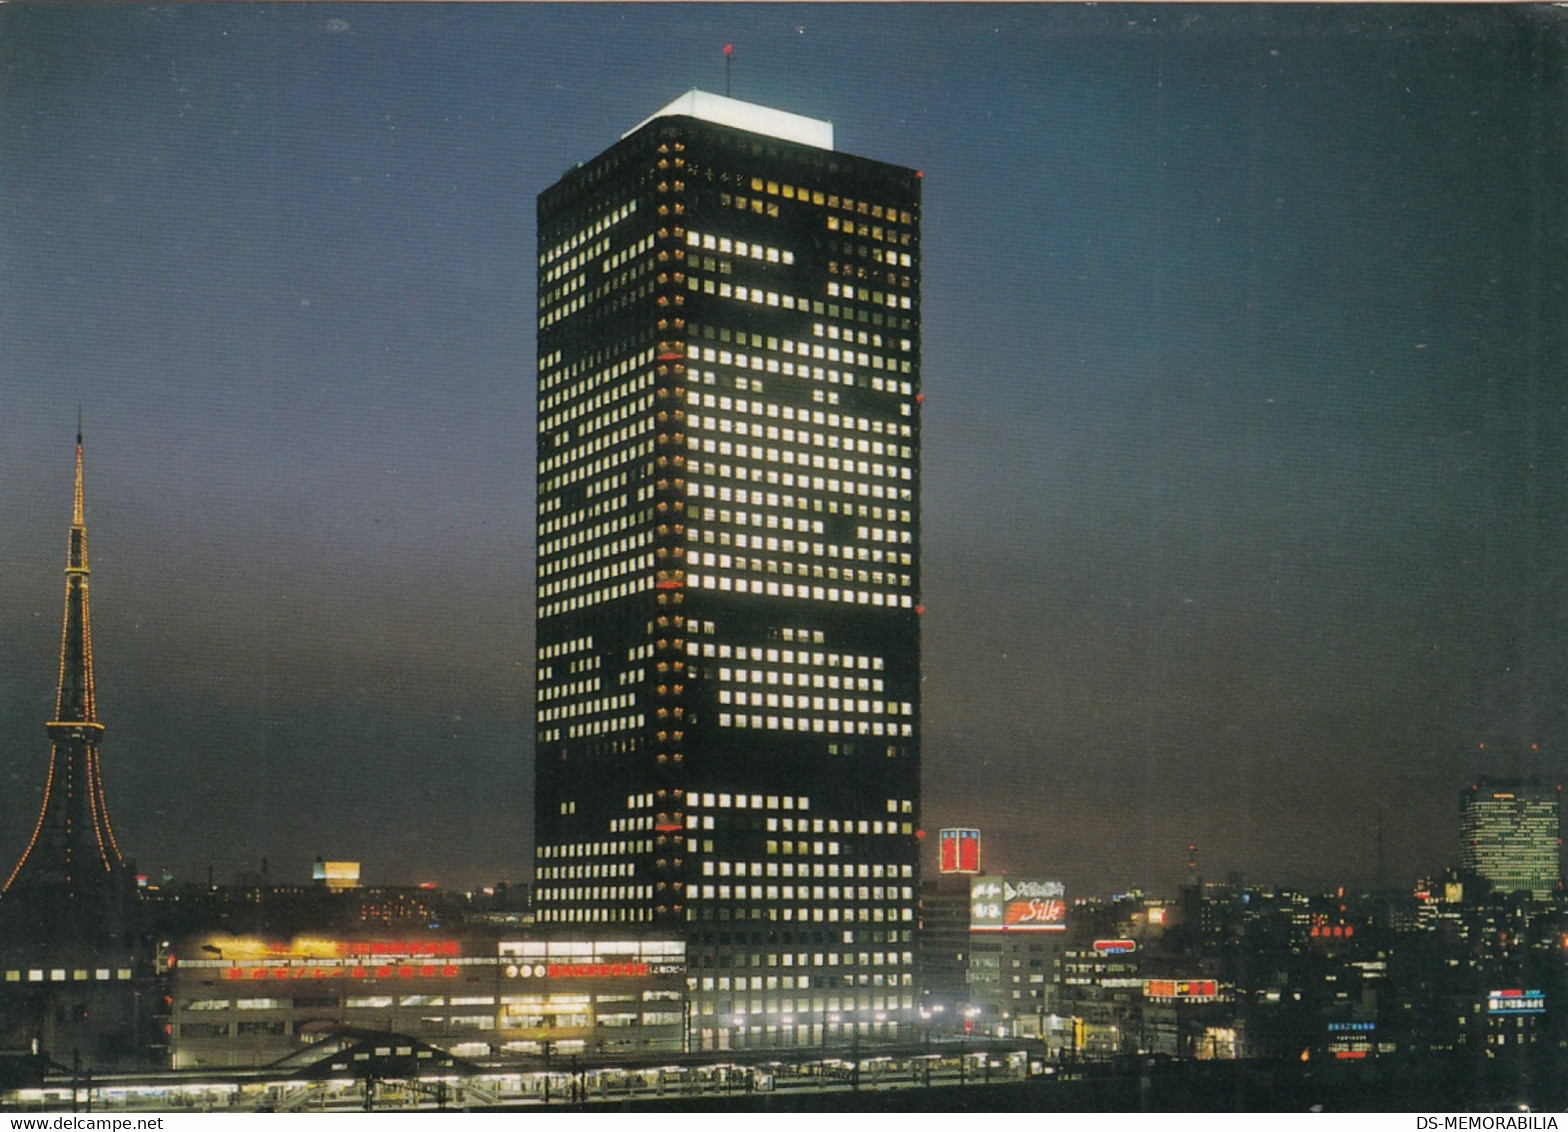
<point>77,517</point>
<point>72,850</point>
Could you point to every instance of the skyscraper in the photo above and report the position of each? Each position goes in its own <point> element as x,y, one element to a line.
<point>72,865</point>
<point>1511,834</point>
<point>728,686</point>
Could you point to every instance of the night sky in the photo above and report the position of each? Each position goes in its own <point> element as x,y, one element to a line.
<point>1246,418</point>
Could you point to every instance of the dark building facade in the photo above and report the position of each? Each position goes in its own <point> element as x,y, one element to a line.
<point>945,945</point>
<point>728,685</point>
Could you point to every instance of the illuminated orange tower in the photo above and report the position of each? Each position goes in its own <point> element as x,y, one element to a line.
<point>72,855</point>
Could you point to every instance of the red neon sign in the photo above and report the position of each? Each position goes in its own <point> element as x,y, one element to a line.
<point>1033,913</point>
<point>595,970</point>
<point>960,850</point>
<point>1182,988</point>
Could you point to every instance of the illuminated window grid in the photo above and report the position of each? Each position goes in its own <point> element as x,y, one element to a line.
<point>783,675</point>
<point>710,435</point>
<point>581,272</point>
<point>840,475</point>
<point>574,675</point>
<point>588,861</point>
<point>793,357</point>
<point>724,289</point>
<point>595,554</point>
<point>1511,836</point>
<point>582,268</point>
<point>603,398</point>
<point>575,240</point>
<point>823,891</point>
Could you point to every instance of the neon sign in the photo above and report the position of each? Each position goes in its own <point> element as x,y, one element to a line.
<point>1115,946</point>
<point>1000,904</point>
<point>959,851</point>
<point>1188,990</point>
<point>341,971</point>
<point>595,970</point>
<point>1515,1001</point>
<point>315,947</point>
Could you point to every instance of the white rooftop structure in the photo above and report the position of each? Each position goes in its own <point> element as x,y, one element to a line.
<point>746,116</point>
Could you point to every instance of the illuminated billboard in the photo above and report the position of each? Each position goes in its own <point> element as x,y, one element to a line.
<point>254,959</point>
<point>259,948</point>
<point>336,875</point>
<point>1115,946</point>
<point>960,851</point>
<point>1181,990</point>
<point>1352,1041</point>
<point>581,970</point>
<point>1003,904</point>
<point>1515,1001</point>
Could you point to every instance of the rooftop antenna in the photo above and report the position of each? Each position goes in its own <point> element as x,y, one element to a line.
<point>78,425</point>
<point>729,57</point>
<point>1382,860</point>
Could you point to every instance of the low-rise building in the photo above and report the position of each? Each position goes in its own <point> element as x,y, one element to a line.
<point>251,1000</point>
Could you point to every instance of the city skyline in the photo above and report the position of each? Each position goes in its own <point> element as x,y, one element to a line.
<point>1244,446</point>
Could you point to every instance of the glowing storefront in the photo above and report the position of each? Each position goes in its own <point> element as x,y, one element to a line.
<point>246,1001</point>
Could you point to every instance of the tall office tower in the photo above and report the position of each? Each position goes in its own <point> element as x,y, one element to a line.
<point>727,726</point>
<point>71,866</point>
<point>1511,834</point>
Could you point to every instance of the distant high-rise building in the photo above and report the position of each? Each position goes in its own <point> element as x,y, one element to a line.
<point>1511,834</point>
<point>72,865</point>
<point>728,687</point>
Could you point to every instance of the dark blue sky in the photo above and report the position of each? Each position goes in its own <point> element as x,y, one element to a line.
<point>1245,433</point>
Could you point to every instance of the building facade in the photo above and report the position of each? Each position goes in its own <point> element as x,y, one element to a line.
<point>250,1000</point>
<point>1511,835</point>
<point>944,946</point>
<point>728,688</point>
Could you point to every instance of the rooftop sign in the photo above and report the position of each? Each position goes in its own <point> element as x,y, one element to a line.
<point>1515,1001</point>
<point>960,851</point>
<point>1002,904</point>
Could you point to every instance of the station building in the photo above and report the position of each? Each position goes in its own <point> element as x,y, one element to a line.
<point>243,1001</point>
